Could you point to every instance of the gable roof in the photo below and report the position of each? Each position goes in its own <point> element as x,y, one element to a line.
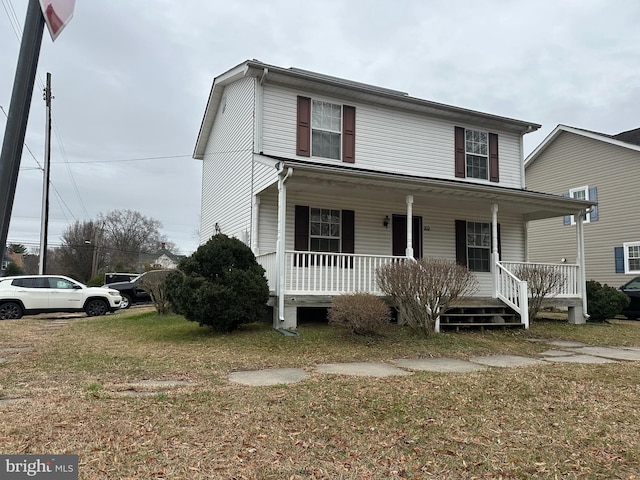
<point>629,139</point>
<point>312,81</point>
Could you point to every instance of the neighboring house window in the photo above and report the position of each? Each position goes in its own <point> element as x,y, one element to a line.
<point>631,252</point>
<point>323,230</point>
<point>476,154</point>
<point>583,193</point>
<point>325,130</point>
<point>473,245</point>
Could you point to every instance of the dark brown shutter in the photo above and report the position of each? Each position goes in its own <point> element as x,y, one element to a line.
<point>348,134</point>
<point>494,174</point>
<point>461,242</point>
<point>303,135</point>
<point>348,231</point>
<point>301,229</point>
<point>461,164</point>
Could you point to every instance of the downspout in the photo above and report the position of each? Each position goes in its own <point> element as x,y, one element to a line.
<point>581,261</point>
<point>282,213</point>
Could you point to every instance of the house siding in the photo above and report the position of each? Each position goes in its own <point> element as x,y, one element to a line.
<point>229,156</point>
<point>572,161</point>
<point>387,140</point>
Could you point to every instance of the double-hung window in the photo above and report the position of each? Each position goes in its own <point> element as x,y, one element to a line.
<point>632,257</point>
<point>477,154</point>
<point>324,230</point>
<point>478,246</point>
<point>326,129</point>
<point>583,193</point>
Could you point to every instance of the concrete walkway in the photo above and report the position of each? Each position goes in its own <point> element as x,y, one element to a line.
<point>563,352</point>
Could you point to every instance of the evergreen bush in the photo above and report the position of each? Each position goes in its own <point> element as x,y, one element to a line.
<point>603,301</point>
<point>221,285</point>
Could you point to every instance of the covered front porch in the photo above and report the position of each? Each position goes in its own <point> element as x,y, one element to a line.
<point>395,217</point>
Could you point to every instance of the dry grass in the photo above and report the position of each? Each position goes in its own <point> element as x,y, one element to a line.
<point>550,421</point>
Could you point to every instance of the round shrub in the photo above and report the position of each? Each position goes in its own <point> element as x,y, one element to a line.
<point>360,313</point>
<point>603,301</point>
<point>221,285</point>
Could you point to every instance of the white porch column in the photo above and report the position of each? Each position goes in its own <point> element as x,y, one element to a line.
<point>280,244</point>
<point>409,250</point>
<point>495,255</point>
<point>255,222</point>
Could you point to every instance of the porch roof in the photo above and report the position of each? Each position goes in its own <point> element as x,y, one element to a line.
<point>531,205</point>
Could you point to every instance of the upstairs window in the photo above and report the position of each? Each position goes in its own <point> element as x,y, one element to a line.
<point>476,154</point>
<point>325,130</point>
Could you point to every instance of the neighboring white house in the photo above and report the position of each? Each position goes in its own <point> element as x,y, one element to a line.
<point>327,179</point>
<point>597,167</point>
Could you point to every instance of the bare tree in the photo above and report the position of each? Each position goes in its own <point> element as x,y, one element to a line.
<point>543,281</point>
<point>127,233</point>
<point>154,282</point>
<point>425,288</point>
<point>75,257</point>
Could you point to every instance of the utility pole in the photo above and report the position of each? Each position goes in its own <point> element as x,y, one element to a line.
<point>19,114</point>
<point>44,225</point>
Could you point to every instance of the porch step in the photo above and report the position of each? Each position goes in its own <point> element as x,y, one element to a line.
<point>480,316</point>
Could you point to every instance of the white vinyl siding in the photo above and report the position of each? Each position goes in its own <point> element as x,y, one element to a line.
<point>229,156</point>
<point>387,139</point>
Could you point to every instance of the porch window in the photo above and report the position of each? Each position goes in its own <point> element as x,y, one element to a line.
<point>473,245</point>
<point>476,154</point>
<point>325,130</point>
<point>325,230</point>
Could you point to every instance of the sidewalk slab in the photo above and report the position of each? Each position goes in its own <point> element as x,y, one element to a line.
<point>566,344</point>
<point>610,352</point>
<point>270,376</point>
<point>439,365</point>
<point>556,353</point>
<point>506,361</point>
<point>362,369</point>
<point>580,359</point>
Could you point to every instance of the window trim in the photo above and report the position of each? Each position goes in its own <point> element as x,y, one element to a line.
<point>625,247</point>
<point>482,247</point>
<point>467,153</point>
<point>339,132</point>
<point>327,237</point>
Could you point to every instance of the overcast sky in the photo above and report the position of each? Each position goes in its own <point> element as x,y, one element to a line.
<point>131,81</point>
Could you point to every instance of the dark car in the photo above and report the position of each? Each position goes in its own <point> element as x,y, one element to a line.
<point>130,291</point>
<point>632,290</point>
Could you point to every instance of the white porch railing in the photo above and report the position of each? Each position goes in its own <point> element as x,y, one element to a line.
<point>513,292</point>
<point>326,273</point>
<point>570,288</point>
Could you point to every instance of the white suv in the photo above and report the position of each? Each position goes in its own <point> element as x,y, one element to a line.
<point>31,294</point>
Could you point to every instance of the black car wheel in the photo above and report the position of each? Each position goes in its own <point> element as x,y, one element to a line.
<point>10,311</point>
<point>96,307</point>
<point>126,301</point>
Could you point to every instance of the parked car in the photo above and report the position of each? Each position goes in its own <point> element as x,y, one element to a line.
<point>632,290</point>
<point>130,291</point>
<point>32,294</point>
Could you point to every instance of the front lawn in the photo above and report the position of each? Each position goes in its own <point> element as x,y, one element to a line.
<point>83,393</point>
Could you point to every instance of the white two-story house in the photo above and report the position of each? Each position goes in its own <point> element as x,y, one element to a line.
<point>327,179</point>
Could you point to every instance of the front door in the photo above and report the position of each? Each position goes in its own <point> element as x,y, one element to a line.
<point>399,236</point>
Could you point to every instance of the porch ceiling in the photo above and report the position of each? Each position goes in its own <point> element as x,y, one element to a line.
<point>394,187</point>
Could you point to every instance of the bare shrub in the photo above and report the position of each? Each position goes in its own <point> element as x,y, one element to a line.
<point>425,288</point>
<point>543,281</point>
<point>361,313</point>
<point>154,283</point>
